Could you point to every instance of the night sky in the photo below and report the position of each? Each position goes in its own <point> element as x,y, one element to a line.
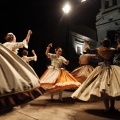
<point>42,17</point>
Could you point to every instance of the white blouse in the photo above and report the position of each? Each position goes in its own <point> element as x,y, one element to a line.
<point>27,59</point>
<point>56,62</point>
<point>14,46</point>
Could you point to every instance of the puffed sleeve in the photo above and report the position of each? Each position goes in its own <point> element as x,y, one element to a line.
<point>63,59</point>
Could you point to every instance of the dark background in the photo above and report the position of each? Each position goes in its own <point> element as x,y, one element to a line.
<point>43,17</point>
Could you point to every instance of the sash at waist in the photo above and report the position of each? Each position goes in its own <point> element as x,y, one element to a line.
<point>54,67</point>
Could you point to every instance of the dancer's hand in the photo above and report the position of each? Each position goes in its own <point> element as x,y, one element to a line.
<point>50,45</point>
<point>28,36</point>
<point>29,32</point>
<point>33,51</point>
<point>67,62</point>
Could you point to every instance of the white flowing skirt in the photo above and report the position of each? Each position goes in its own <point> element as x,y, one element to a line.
<point>101,83</point>
<point>17,79</point>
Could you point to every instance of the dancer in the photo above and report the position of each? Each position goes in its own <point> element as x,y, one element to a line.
<point>82,72</point>
<point>56,78</point>
<point>104,82</point>
<point>26,58</point>
<point>13,45</point>
<point>19,82</point>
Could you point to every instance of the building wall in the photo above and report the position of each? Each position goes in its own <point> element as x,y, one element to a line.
<point>71,38</point>
<point>108,21</point>
<point>76,43</point>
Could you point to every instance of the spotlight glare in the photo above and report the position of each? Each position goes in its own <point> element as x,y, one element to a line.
<point>66,8</point>
<point>83,0</point>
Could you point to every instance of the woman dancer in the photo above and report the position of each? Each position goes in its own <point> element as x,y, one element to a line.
<point>82,72</point>
<point>28,59</point>
<point>104,82</point>
<point>13,45</point>
<point>19,82</point>
<point>56,78</point>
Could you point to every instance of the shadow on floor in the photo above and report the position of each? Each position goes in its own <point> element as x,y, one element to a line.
<point>45,102</point>
<point>101,113</point>
<point>6,110</point>
<point>66,100</point>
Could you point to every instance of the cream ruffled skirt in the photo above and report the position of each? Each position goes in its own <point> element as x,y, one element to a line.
<point>102,83</point>
<point>81,73</point>
<point>18,81</point>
